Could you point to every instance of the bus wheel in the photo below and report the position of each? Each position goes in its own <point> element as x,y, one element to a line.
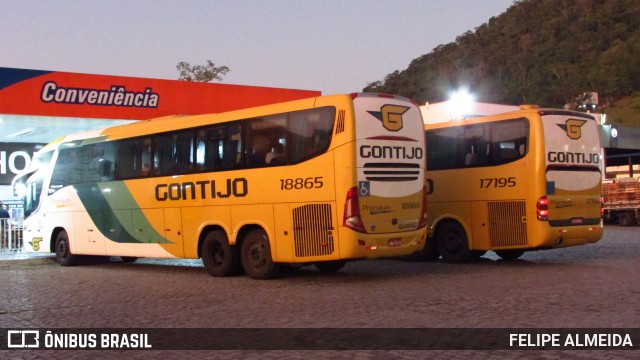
<point>63,252</point>
<point>219,257</point>
<point>509,254</point>
<point>452,243</point>
<point>430,251</point>
<point>328,267</point>
<point>256,256</point>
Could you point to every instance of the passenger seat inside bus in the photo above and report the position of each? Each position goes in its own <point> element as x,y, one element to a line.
<point>471,159</point>
<point>261,146</point>
<point>508,154</point>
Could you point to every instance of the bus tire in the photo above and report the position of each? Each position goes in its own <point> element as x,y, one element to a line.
<point>219,257</point>
<point>63,250</point>
<point>256,256</point>
<point>511,254</point>
<point>430,251</point>
<point>452,243</point>
<point>329,267</point>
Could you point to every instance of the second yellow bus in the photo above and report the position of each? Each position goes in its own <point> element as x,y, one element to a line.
<point>517,181</point>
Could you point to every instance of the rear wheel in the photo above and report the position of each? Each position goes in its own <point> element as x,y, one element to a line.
<point>509,254</point>
<point>256,256</point>
<point>452,243</point>
<point>430,251</point>
<point>63,251</point>
<point>219,257</point>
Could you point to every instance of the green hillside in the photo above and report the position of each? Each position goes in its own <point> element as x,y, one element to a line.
<point>545,52</point>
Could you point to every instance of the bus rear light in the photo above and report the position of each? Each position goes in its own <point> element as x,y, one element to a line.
<point>602,200</point>
<point>423,214</point>
<point>352,218</point>
<point>542,209</point>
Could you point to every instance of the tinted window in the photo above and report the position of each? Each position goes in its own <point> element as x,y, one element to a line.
<point>133,158</point>
<point>173,153</point>
<point>289,138</point>
<point>218,147</point>
<point>270,141</point>
<point>488,144</point>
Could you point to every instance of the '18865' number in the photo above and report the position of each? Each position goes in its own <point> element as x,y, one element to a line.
<point>301,183</point>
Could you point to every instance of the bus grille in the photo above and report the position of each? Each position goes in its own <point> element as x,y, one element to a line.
<point>507,223</point>
<point>312,230</point>
<point>391,172</point>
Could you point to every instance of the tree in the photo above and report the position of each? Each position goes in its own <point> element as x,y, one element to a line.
<point>201,73</point>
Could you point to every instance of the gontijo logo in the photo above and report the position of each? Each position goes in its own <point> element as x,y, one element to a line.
<point>117,95</point>
<point>391,116</point>
<point>573,128</point>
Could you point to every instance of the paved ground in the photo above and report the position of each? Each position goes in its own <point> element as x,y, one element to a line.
<point>593,286</point>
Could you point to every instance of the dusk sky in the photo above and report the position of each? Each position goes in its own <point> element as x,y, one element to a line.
<point>334,46</point>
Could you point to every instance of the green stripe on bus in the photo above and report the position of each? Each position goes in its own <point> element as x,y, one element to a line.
<point>112,208</point>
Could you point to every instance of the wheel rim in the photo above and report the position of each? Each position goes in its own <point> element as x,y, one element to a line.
<point>61,249</point>
<point>217,254</point>
<point>453,243</point>
<point>257,256</point>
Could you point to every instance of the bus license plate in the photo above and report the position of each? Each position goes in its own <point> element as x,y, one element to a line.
<point>577,221</point>
<point>395,242</point>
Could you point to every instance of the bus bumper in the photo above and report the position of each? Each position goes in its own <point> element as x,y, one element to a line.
<point>355,245</point>
<point>565,236</point>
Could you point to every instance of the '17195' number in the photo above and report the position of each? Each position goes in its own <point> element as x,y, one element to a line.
<point>498,182</point>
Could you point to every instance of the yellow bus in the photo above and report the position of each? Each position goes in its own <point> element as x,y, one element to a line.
<point>522,180</point>
<point>316,181</point>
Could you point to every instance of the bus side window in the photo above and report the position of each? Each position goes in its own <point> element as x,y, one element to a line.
<point>277,155</point>
<point>260,146</point>
<point>207,149</point>
<point>173,153</point>
<point>134,158</point>
<point>265,134</point>
<point>508,152</point>
<point>232,147</point>
<point>471,158</point>
<point>62,171</point>
<point>310,133</point>
<point>125,160</point>
<point>162,155</point>
<point>183,152</point>
<point>217,148</point>
<point>102,161</point>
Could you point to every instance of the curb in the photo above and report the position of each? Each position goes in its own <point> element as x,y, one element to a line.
<point>26,259</point>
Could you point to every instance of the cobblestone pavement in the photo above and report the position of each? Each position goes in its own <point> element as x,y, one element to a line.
<point>591,286</point>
